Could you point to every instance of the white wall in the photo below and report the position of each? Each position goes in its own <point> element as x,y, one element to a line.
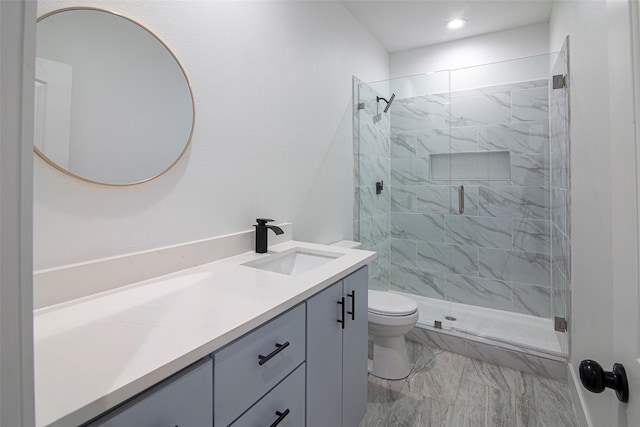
<point>272,84</point>
<point>499,46</point>
<point>481,76</point>
<point>591,175</point>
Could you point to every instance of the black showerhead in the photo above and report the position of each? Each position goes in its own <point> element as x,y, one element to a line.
<point>393,96</point>
<point>389,102</point>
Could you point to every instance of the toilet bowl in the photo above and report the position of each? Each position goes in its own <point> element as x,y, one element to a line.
<point>391,316</point>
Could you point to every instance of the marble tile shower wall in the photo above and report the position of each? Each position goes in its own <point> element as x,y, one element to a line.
<point>373,166</point>
<point>560,195</point>
<point>496,254</point>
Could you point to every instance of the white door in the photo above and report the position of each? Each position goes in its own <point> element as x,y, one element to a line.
<point>17,32</point>
<point>624,81</point>
<point>53,110</point>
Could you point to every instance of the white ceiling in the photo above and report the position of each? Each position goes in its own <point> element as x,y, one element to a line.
<point>401,25</point>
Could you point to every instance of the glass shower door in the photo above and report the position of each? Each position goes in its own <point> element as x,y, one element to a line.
<point>463,189</point>
<point>501,112</point>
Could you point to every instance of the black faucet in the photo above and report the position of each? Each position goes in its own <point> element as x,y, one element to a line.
<point>261,234</point>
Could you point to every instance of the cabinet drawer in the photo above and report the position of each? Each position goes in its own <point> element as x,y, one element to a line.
<point>239,378</point>
<point>182,400</point>
<point>287,396</point>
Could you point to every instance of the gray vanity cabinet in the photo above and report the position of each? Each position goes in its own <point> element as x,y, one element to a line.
<point>260,379</point>
<point>183,400</point>
<point>337,353</point>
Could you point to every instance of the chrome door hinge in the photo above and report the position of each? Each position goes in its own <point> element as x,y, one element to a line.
<point>560,324</point>
<point>559,81</point>
<point>361,106</point>
<point>437,324</point>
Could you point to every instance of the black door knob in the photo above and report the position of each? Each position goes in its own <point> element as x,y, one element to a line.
<point>595,379</point>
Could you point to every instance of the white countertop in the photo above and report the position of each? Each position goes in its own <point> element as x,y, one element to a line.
<point>96,352</point>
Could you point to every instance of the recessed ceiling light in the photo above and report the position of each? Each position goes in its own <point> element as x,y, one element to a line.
<point>455,23</point>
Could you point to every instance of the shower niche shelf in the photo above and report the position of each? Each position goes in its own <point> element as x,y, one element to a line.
<point>480,165</point>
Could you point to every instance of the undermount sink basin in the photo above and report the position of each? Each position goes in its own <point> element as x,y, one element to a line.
<point>293,261</point>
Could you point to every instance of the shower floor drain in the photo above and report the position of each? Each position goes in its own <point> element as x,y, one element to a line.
<point>450,318</point>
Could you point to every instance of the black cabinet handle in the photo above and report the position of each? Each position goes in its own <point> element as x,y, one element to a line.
<point>352,295</point>
<point>281,416</point>
<point>342,304</point>
<point>279,348</point>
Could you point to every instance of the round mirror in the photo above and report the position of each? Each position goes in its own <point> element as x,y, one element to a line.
<point>113,105</point>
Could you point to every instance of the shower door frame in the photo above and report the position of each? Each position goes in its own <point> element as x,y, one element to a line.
<point>395,232</point>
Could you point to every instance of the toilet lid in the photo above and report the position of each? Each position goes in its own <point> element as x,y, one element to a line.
<point>390,304</point>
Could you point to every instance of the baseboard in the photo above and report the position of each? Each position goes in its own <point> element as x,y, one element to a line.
<point>577,397</point>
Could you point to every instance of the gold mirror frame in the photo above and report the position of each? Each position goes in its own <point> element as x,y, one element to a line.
<point>193,106</point>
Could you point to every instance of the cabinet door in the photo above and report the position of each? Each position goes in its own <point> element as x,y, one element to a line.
<point>354,362</point>
<point>184,400</point>
<point>324,358</point>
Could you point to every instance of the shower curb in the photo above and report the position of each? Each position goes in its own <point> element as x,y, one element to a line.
<point>485,350</point>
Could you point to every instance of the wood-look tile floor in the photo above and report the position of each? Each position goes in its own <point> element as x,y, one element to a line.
<point>450,390</point>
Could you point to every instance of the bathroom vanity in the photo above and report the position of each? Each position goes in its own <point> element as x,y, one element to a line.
<point>242,341</point>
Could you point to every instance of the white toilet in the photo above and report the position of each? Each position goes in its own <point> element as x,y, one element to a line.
<point>391,316</point>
